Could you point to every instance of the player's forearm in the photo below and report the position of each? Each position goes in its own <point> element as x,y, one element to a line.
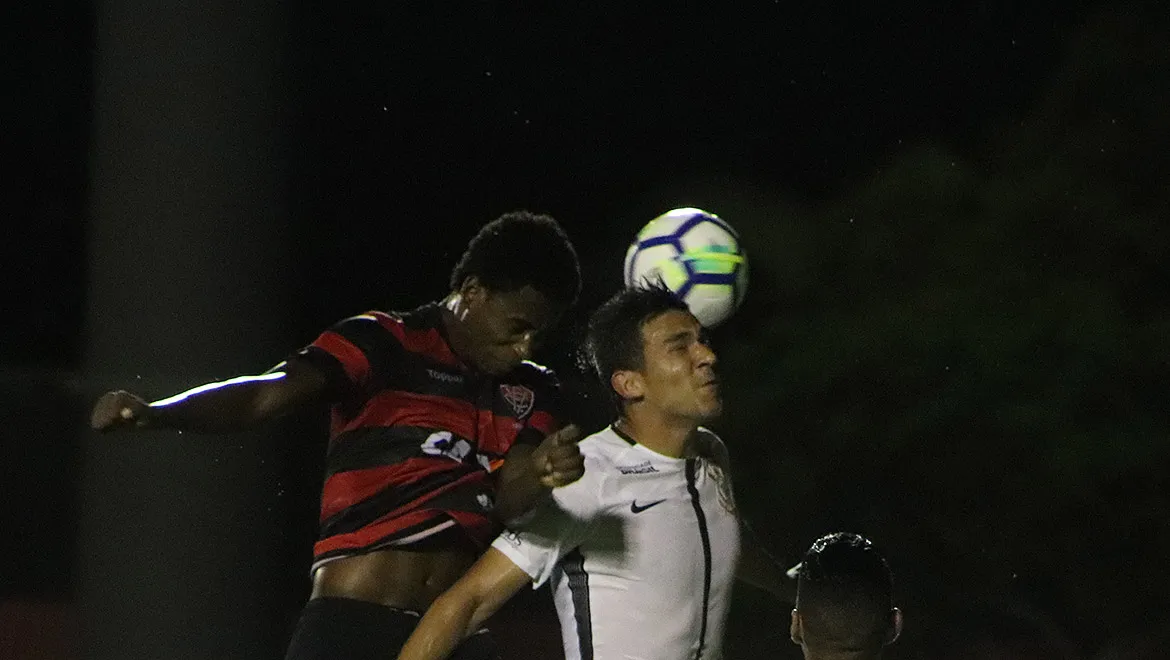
<point>442,628</point>
<point>518,495</point>
<point>530,473</point>
<point>230,405</point>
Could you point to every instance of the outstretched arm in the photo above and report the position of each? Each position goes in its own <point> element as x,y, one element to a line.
<point>463,608</point>
<point>230,405</point>
<point>758,568</point>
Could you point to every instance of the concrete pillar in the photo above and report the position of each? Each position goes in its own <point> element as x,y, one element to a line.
<point>189,280</point>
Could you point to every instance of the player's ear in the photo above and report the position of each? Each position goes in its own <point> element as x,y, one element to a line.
<point>628,384</point>
<point>794,629</point>
<point>895,628</point>
<point>472,291</point>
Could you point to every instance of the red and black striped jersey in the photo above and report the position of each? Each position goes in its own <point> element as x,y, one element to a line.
<point>415,434</point>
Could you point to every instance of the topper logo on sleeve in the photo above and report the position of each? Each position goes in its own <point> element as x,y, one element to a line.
<point>444,376</point>
<point>520,398</point>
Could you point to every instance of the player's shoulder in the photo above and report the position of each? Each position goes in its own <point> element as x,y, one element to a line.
<point>604,448</point>
<point>372,317</point>
<point>602,452</point>
<point>371,328</point>
<point>421,319</point>
<point>708,438</point>
<point>712,446</point>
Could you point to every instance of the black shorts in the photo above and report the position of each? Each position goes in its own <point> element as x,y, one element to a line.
<point>346,629</point>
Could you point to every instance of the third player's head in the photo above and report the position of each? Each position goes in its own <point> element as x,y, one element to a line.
<point>654,356</point>
<point>844,600</point>
<point>518,274</point>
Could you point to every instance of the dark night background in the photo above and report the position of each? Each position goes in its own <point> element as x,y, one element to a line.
<point>955,340</point>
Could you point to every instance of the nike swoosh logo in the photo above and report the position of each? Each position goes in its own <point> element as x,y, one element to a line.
<point>634,508</point>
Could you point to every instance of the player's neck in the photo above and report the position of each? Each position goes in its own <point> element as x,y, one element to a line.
<point>451,313</point>
<point>669,437</point>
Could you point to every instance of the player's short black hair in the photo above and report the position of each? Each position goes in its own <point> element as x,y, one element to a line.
<point>521,249</point>
<point>844,593</point>
<point>614,339</point>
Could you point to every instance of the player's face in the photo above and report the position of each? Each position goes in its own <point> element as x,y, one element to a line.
<point>504,327</point>
<point>679,368</point>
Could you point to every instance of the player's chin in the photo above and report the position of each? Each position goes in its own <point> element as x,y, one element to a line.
<point>500,366</point>
<point>710,409</point>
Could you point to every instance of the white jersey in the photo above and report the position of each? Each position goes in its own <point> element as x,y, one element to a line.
<point>641,552</point>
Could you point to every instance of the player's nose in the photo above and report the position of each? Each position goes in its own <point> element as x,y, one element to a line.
<point>705,355</point>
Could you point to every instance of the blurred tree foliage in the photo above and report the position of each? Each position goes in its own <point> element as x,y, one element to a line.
<point>966,358</point>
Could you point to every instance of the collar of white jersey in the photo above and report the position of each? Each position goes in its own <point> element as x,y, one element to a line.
<point>661,459</point>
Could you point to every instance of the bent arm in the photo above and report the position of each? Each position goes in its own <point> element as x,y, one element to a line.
<point>519,487</point>
<point>463,608</point>
<point>530,473</point>
<point>229,405</point>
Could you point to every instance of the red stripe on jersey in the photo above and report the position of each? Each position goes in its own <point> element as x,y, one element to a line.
<point>352,359</point>
<point>479,528</point>
<point>397,408</point>
<point>346,489</point>
<point>373,533</point>
<point>542,421</point>
<point>429,341</point>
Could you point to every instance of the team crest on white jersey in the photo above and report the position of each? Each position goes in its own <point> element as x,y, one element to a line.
<point>726,495</point>
<point>519,397</point>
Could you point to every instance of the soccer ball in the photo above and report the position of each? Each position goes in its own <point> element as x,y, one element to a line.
<point>697,255</point>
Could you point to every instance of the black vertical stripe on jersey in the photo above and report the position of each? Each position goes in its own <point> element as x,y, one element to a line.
<point>694,491</point>
<point>574,566</point>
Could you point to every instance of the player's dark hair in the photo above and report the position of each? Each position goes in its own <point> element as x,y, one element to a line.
<point>844,593</point>
<point>521,249</point>
<point>614,339</point>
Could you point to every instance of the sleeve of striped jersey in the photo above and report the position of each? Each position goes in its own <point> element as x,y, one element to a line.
<point>559,524</point>
<point>356,355</point>
<point>547,410</point>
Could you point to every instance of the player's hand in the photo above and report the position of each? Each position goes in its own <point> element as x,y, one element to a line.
<point>119,410</point>
<point>558,461</point>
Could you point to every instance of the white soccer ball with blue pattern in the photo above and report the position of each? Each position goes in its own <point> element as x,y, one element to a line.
<point>698,256</point>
